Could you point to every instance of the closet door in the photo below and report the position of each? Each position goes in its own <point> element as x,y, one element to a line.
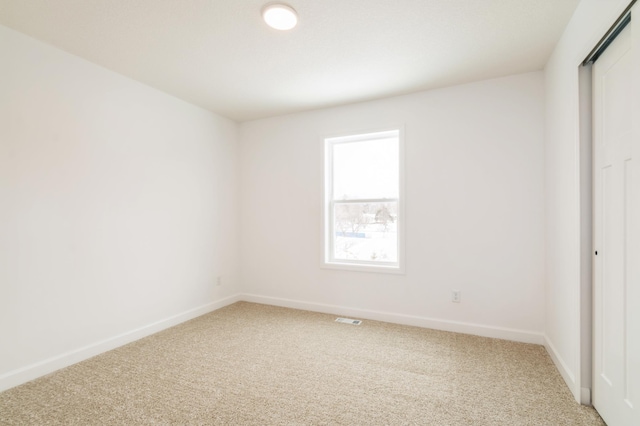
<point>616,118</point>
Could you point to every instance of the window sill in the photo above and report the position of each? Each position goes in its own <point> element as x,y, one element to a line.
<point>363,268</point>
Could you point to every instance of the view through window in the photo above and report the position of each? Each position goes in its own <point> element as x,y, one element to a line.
<point>362,193</point>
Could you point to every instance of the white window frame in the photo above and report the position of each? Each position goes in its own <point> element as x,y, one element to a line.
<point>328,233</point>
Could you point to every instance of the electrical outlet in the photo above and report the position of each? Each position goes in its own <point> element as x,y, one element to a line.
<point>219,280</point>
<point>455,296</point>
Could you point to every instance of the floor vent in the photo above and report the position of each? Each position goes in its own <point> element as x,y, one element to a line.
<point>349,321</point>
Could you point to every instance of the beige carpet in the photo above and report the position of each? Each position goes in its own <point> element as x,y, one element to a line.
<point>250,364</point>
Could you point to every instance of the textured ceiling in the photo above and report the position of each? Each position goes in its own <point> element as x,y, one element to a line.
<point>218,53</point>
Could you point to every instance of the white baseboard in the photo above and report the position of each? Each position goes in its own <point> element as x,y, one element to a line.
<point>438,324</point>
<point>567,375</point>
<point>33,371</point>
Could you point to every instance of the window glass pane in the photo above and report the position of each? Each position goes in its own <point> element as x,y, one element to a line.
<point>366,231</point>
<point>365,170</point>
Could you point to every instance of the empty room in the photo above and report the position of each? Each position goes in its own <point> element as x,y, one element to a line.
<point>356,212</point>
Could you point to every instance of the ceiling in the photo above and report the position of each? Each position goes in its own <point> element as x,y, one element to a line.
<point>218,54</point>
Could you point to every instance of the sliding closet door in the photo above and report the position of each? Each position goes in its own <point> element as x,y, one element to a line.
<point>616,119</point>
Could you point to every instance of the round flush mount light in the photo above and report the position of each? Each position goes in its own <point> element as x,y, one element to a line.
<point>280,16</point>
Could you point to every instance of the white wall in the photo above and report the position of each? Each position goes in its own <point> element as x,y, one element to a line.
<point>118,209</point>
<point>474,203</point>
<point>564,292</point>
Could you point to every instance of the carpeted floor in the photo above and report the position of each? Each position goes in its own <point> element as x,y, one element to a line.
<point>250,364</point>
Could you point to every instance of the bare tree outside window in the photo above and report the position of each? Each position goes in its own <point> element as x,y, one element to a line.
<point>384,216</point>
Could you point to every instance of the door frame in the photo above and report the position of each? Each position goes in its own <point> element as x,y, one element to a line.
<point>585,149</point>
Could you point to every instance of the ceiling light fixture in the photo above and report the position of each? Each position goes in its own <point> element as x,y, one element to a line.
<point>280,16</point>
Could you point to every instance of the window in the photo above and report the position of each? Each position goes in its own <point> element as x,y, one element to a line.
<point>363,210</point>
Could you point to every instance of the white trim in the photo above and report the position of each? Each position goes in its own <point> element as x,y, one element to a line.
<point>327,260</point>
<point>566,373</point>
<point>586,231</point>
<point>362,267</point>
<point>577,242</point>
<point>402,212</point>
<point>515,335</point>
<point>41,368</point>
<point>38,369</point>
